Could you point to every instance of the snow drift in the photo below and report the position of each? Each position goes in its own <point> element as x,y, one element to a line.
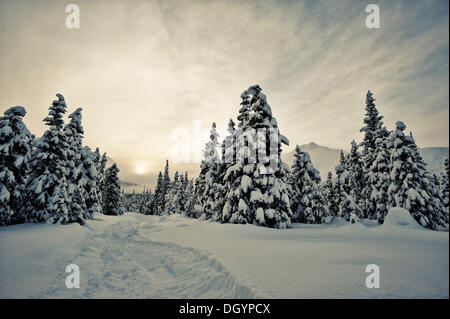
<point>398,216</point>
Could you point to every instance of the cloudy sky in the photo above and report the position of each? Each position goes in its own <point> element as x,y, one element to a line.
<point>146,71</point>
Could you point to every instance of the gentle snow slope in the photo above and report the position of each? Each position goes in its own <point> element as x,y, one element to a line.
<point>137,256</point>
<point>312,261</point>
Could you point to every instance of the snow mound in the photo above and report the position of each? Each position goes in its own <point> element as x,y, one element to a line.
<point>397,216</point>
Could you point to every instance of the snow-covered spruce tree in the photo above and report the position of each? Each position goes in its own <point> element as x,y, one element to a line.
<point>47,199</point>
<point>74,168</point>
<point>379,179</point>
<point>437,196</point>
<point>112,192</point>
<point>258,188</point>
<point>172,196</point>
<point>228,149</point>
<point>200,186</point>
<point>349,209</point>
<point>347,206</point>
<point>307,202</point>
<point>444,186</point>
<point>102,179</point>
<point>210,167</point>
<point>89,180</point>
<point>190,199</point>
<point>178,193</point>
<point>164,188</point>
<point>100,166</point>
<point>411,187</point>
<point>430,184</point>
<point>372,130</point>
<point>183,193</point>
<point>343,172</point>
<point>356,177</point>
<point>329,195</point>
<point>15,149</point>
<point>158,197</point>
<point>338,188</point>
<point>236,183</point>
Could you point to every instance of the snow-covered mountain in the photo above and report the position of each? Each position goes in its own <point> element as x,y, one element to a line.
<point>325,158</point>
<point>434,156</point>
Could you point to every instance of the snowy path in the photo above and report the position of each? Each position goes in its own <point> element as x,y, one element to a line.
<point>117,262</point>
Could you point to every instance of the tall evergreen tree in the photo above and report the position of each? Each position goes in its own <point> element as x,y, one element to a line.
<point>172,199</point>
<point>190,199</point>
<point>379,179</point>
<point>258,192</point>
<point>183,193</point>
<point>89,187</point>
<point>200,189</point>
<point>228,159</point>
<point>164,187</point>
<point>112,192</point>
<point>74,168</point>
<point>102,180</point>
<point>328,191</point>
<point>15,149</point>
<point>372,130</point>
<point>158,197</point>
<point>211,166</point>
<point>47,185</point>
<point>100,177</point>
<point>356,177</point>
<point>348,208</point>
<point>307,202</point>
<point>411,187</point>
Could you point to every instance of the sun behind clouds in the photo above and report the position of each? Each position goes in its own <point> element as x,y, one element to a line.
<point>141,168</point>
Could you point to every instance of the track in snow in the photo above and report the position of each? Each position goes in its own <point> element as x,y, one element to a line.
<point>117,262</point>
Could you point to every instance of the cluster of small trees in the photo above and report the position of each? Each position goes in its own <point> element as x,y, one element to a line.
<point>388,172</point>
<point>170,197</point>
<point>231,188</point>
<point>53,178</point>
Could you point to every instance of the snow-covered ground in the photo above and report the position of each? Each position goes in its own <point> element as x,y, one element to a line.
<point>137,256</point>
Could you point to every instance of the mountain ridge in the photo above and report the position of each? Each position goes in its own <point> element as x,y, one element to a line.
<point>325,158</point>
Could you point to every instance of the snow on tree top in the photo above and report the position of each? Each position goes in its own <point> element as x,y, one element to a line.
<point>400,126</point>
<point>16,111</point>
<point>369,97</point>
